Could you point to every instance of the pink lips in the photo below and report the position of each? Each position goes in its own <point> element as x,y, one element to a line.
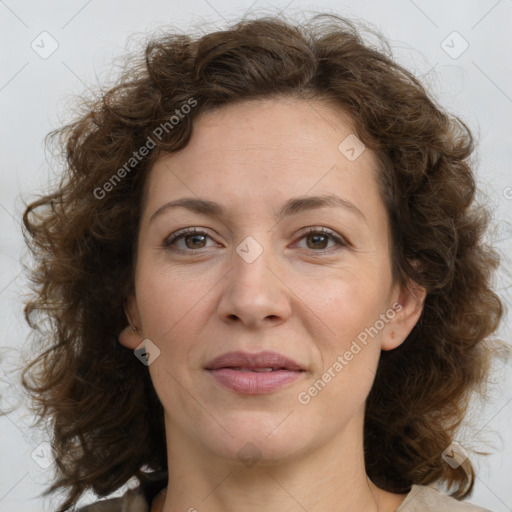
<point>254,374</point>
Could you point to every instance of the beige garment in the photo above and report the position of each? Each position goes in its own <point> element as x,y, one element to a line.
<point>131,501</point>
<point>428,499</point>
<point>420,499</point>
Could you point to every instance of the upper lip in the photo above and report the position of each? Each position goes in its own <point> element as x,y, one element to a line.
<point>265,359</point>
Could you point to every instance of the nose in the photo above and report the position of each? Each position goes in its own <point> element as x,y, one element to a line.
<point>255,294</point>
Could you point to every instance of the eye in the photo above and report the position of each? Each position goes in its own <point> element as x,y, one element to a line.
<point>193,239</point>
<point>317,238</point>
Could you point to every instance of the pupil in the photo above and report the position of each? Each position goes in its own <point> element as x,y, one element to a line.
<point>195,237</point>
<point>316,237</point>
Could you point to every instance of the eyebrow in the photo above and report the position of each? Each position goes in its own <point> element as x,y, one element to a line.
<point>293,206</point>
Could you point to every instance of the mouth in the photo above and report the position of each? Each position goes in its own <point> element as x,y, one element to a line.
<point>254,374</point>
<point>258,370</point>
<point>265,361</point>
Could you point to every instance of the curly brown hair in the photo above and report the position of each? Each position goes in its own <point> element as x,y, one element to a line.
<point>104,412</point>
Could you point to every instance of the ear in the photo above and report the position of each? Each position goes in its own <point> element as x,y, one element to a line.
<point>407,307</point>
<point>130,336</point>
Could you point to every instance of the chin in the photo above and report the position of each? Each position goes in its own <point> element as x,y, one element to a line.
<point>260,438</point>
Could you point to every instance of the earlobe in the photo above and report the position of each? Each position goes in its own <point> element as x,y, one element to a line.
<point>129,336</point>
<point>410,301</point>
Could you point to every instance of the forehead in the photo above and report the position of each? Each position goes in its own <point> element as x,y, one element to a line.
<point>252,153</point>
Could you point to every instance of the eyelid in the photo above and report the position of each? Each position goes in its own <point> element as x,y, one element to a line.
<point>182,233</point>
<point>340,240</point>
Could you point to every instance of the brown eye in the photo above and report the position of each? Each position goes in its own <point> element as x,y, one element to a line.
<point>317,240</point>
<point>192,240</point>
<point>196,241</point>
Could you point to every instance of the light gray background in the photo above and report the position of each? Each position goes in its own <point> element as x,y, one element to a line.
<point>36,94</point>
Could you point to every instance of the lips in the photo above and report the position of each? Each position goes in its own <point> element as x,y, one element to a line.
<point>260,362</point>
<point>254,374</point>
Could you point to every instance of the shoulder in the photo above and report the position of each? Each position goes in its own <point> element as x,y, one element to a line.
<point>137,499</point>
<point>425,499</point>
<point>132,501</point>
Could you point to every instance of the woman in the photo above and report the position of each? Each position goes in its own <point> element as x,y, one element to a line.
<point>266,281</point>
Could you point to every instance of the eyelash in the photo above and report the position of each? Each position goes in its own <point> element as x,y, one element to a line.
<point>193,231</point>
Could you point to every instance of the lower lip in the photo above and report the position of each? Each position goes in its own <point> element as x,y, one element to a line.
<point>254,383</point>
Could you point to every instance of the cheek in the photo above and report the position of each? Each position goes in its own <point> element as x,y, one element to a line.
<point>346,306</point>
<point>348,354</point>
<point>170,301</point>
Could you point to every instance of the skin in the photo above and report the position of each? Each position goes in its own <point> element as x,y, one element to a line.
<point>304,297</point>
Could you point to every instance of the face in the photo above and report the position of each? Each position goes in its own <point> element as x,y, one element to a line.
<point>298,285</point>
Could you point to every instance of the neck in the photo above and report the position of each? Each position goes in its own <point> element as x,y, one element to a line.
<point>330,478</point>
